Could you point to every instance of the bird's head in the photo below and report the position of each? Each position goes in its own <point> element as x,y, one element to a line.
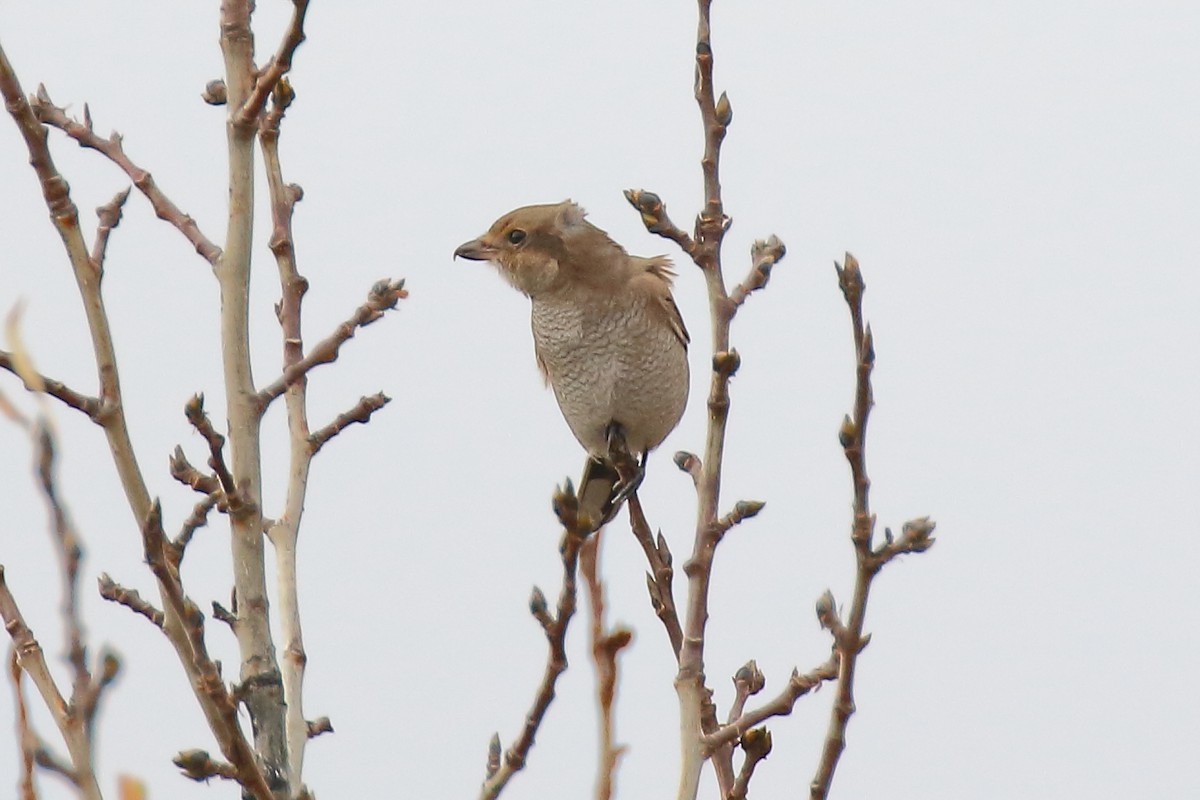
<point>541,248</point>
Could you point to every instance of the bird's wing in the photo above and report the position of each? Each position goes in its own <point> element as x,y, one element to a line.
<point>657,280</point>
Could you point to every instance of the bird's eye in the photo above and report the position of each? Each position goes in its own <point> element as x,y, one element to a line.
<point>516,236</point>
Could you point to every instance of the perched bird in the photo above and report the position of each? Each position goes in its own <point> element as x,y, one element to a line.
<point>608,338</point>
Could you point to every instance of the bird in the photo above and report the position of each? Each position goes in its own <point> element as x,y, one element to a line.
<point>608,339</point>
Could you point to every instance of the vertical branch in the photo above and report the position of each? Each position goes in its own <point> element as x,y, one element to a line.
<point>849,639</point>
<point>285,531</point>
<point>606,645</point>
<point>260,678</point>
<point>697,713</point>
<point>554,626</point>
<point>110,410</point>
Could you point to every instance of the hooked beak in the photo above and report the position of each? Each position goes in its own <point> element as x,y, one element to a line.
<point>475,250</point>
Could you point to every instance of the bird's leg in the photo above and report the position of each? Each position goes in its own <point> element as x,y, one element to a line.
<point>630,471</point>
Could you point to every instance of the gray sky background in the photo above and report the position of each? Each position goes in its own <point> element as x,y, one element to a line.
<point>1019,182</point>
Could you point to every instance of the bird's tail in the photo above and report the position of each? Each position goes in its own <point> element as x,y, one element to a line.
<point>598,491</point>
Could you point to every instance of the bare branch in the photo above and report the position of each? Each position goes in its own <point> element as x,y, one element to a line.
<point>199,766</point>
<point>383,297</point>
<point>26,738</point>
<point>606,644</point>
<point>763,256</point>
<point>781,705</point>
<point>742,510</point>
<point>277,67</point>
<point>194,411</point>
<point>566,506</point>
<point>654,217</point>
<point>756,745</point>
<point>114,150</point>
<point>360,413</point>
<point>110,217</point>
<point>660,577</point>
<point>849,639</point>
<point>91,406</point>
<point>218,705</point>
<point>114,592</point>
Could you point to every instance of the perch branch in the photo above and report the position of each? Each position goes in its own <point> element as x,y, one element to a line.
<point>113,149</point>
<point>500,770</point>
<point>606,644</point>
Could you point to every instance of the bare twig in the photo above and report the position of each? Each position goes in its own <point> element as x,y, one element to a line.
<point>849,639</point>
<point>91,406</point>
<point>196,520</point>
<point>660,577</point>
<point>654,217</point>
<point>500,771</point>
<point>218,704</point>
<point>284,532</point>
<point>199,766</point>
<point>764,254</point>
<point>383,296</point>
<point>130,598</point>
<point>26,738</point>
<point>279,65</point>
<point>360,413</point>
<point>114,150</point>
<point>194,411</point>
<point>606,644</point>
<point>73,724</point>
<point>781,705</point>
<point>756,745</point>
<point>110,217</point>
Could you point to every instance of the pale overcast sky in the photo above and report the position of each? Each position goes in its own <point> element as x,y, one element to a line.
<point>1020,184</point>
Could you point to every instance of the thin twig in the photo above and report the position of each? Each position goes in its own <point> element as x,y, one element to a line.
<point>91,406</point>
<point>383,297</point>
<point>499,772</point>
<point>130,598</point>
<point>660,577</point>
<point>606,644</point>
<point>114,150</point>
<point>279,65</point>
<point>110,217</point>
<point>849,639</point>
<point>360,413</point>
<point>781,705</point>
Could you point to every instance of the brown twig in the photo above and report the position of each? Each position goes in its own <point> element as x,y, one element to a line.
<point>114,150</point>
<point>500,771</point>
<point>183,471</point>
<point>74,724</point>
<point>360,413</point>
<point>756,745</point>
<point>110,217</point>
<point>383,297</point>
<point>764,254</point>
<point>196,520</point>
<point>654,217</point>
<point>198,418</point>
<point>660,577</point>
<point>275,70</point>
<point>606,644</point>
<point>219,705</point>
<point>91,406</point>
<point>26,738</point>
<point>781,705</point>
<point>849,639</point>
<point>130,598</point>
